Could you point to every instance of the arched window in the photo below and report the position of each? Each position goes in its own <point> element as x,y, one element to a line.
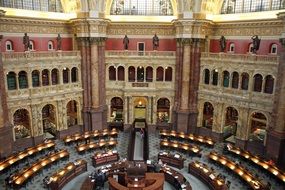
<point>208,113</point>
<point>121,73</point>
<point>9,45</point>
<point>23,80</point>
<point>244,81</point>
<point>71,112</point>
<point>117,107</point>
<point>273,49</point>
<point>163,107</point>
<point>32,45</point>
<point>250,48</point>
<point>139,7</point>
<point>50,45</point>
<point>54,77</point>
<point>206,76</point>
<point>45,77</point>
<point>257,83</point>
<point>232,47</point>
<point>112,73</point>
<point>36,78</point>
<point>46,5</point>
<point>159,74</point>
<point>74,74</point>
<point>65,75</point>
<point>258,126</point>
<point>11,81</point>
<point>226,78</point>
<point>168,74</point>
<point>235,80</point>
<point>21,121</point>
<point>49,119</point>
<point>132,74</point>
<point>269,84</point>
<point>215,77</point>
<point>140,74</point>
<point>149,74</point>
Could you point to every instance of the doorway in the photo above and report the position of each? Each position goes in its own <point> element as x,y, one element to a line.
<point>140,108</point>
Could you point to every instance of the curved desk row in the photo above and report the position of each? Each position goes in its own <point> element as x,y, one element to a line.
<point>258,161</point>
<point>184,147</point>
<point>176,178</point>
<point>93,145</point>
<point>90,134</point>
<point>66,174</point>
<point>203,172</point>
<point>249,178</point>
<point>152,181</point>
<point>21,177</point>
<point>191,137</point>
<point>104,158</point>
<point>26,153</point>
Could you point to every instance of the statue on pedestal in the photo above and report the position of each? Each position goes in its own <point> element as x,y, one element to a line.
<point>58,39</point>
<point>155,42</point>
<point>126,42</point>
<point>222,43</point>
<point>26,42</point>
<point>255,43</point>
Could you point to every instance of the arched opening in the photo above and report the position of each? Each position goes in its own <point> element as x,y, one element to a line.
<point>140,108</point>
<point>149,74</point>
<point>71,112</point>
<point>117,107</point>
<point>45,77</point>
<point>32,45</point>
<point>231,123</point>
<point>9,45</point>
<point>11,81</point>
<point>168,74</point>
<point>132,74</point>
<point>273,49</point>
<point>208,113</point>
<point>250,48</point>
<point>269,84</point>
<point>159,74</point>
<point>65,75</point>
<point>74,74</point>
<point>163,110</point>
<point>50,45</point>
<point>226,78</point>
<point>22,127</point>
<point>140,74</point>
<point>215,77</point>
<point>36,78</point>
<point>54,77</point>
<point>235,80</point>
<point>23,80</point>
<point>257,87</point>
<point>244,81</point>
<point>49,121</point>
<point>206,76</point>
<point>121,73</point>
<point>232,47</point>
<point>258,123</point>
<point>112,73</point>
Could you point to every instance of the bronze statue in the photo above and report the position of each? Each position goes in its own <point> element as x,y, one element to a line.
<point>155,42</point>
<point>256,43</point>
<point>58,39</point>
<point>26,42</point>
<point>126,42</point>
<point>222,43</point>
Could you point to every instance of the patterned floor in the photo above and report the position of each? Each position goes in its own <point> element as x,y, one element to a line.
<point>36,183</point>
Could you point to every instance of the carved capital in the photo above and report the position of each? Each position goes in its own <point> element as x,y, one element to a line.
<point>98,41</point>
<point>187,41</point>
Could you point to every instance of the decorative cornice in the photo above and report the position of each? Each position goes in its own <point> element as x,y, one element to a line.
<point>2,13</point>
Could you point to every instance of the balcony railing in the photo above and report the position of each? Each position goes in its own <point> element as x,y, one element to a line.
<point>35,55</point>
<point>273,59</point>
<point>140,53</point>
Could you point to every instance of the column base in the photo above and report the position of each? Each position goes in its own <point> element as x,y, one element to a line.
<point>71,130</point>
<point>218,137</point>
<point>182,121</point>
<point>6,135</point>
<point>86,119</point>
<point>275,148</point>
<point>98,118</point>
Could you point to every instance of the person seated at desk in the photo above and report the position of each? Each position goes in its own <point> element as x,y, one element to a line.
<point>157,167</point>
<point>100,179</point>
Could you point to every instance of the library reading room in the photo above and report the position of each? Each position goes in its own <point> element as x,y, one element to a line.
<point>142,94</point>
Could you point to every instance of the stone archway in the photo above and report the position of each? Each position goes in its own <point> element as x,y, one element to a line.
<point>22,124</point>
<point>49,120</point>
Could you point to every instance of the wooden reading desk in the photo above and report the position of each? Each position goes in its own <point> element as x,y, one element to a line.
<point>249,178</point>
<point>174,160</point>
<point>93,145</point>
<point>203,172</point>
<point>102,158</point>
<point>184,147</point>
<point>26,153</point>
